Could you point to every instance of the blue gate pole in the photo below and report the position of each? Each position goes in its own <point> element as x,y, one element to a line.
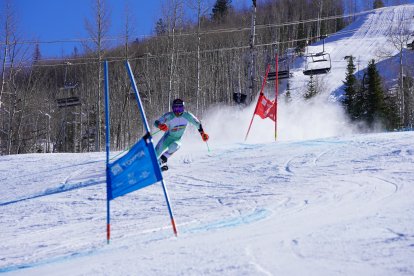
<point>144,119</point>
<point>140,106</point>
<point>107,131</point>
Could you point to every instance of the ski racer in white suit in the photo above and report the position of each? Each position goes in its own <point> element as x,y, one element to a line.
<point>174,124</point>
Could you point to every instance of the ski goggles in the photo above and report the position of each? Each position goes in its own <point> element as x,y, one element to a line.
<point>178,109</point>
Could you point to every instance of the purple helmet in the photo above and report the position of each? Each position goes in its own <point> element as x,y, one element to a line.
<point>178,106</point>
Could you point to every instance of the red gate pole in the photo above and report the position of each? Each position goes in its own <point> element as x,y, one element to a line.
<point>276,92</point>
<point>261,93</point>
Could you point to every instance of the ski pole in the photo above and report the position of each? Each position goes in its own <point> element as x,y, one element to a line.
<point>156,132</point>
<point>208,147</point>
<point>128,148</point>
<point>121,153</point>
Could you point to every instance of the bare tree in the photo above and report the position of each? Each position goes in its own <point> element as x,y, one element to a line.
<point>202,6</point>
<point>173,12</point>
<point>8,106</point>
<point>8,26</point>
<point>400,36</point>
<point>122,132</point>
<point>98,31</point>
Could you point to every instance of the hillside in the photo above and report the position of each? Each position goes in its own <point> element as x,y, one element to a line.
<point>367,38</point>
<point>322,200</point>
<point>324,116</point>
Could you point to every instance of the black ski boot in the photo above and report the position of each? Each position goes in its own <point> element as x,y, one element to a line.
<point>163,163</point>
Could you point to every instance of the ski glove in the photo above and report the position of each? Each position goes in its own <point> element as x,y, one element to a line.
<point>163,127</point>
<point>204,136</point>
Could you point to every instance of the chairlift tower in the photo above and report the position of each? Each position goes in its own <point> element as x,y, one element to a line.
<point>252,63</point>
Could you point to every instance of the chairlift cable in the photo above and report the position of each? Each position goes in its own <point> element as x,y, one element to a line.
<point>119,59</point>
<point>218,31</point>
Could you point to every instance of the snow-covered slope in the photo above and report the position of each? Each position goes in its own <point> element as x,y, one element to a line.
<point>367,38</point>
<point>323,116</point>
<point>306,205</point>
<point>335,206</point>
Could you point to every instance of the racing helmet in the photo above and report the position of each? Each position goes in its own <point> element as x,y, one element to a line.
<point>178,106</point>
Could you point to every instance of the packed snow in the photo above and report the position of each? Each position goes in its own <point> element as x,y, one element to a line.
<point>322,200</point>
<point>332,206</point>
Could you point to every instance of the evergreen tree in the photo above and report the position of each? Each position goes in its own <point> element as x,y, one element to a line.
<point>360,103</point>
<point>378,4</point>
<point>37,56</point>
<point>351,90</point>
<point>392,112</point>
<point>160,27</point>
<point>375,105</point>
<point>221,9</point>
<point>312,91</point>
<point>75,52</point>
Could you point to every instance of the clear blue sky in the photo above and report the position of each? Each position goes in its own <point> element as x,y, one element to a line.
<point>51,20</point>
<point>56,20</point>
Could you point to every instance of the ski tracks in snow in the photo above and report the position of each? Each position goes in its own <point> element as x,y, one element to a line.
<point>89,174</point>
<point>326,160</point>
<point>308,196</point>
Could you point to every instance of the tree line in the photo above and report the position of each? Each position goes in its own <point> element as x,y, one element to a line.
<point>57,105</point>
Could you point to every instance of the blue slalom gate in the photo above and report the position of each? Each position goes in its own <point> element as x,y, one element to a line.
<point>136,169</point>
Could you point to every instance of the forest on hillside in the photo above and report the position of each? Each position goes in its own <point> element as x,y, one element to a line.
<point>57,105</point>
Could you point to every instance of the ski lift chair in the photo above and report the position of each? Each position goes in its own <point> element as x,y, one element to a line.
<point>317,64</point>
<point>68,85</point>
<point>411,45</point>
<point>67,102</point>
<point>283,73</point>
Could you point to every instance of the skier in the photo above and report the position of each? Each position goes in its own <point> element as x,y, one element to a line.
<point>174,124</point>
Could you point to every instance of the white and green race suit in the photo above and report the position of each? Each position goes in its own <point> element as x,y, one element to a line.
<point>170,142</point>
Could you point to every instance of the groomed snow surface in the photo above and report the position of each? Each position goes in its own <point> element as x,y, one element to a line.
<point>332,206</point>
